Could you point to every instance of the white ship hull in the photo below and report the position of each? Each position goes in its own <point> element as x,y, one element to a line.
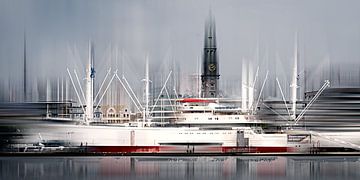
<point>158,140</point>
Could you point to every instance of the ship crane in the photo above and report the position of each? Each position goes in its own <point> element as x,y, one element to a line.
<point>88,98</point>
<point>294,86</point>
<point>325,85</point>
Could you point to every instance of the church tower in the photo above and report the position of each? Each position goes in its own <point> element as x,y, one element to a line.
<point>210,66</point>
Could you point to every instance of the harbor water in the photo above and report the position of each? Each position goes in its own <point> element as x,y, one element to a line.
<point>160,167</point>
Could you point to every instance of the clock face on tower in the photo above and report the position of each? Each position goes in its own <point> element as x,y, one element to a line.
<point>212,67</point>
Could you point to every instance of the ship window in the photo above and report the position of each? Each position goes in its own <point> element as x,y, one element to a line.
<point>216,118</point>
<point>236,117</point>
<point>196,118</point>
<point>210,118</point>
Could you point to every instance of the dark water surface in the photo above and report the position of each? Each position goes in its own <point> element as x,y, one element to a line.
<point>217,167</point>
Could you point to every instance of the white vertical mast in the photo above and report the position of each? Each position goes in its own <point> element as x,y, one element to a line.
<point>294,82</point>
<point>199,78</point>
<point>90,75</point>
<point>66,89</point>
<point>250,85</point>
<point>147,92</point>
<point>243,87</point>
<point>58,90</point>
<point>62,89</point>
<point>48,90</point>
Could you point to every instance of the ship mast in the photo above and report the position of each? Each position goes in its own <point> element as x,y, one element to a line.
<point>24,70</point>
<point>90,75</point>
<point>244,92</point>
<point>250,86</point>
<point>294,82</point>
<point>147,92</point>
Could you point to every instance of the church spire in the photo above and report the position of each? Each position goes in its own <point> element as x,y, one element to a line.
<point>210,71</point>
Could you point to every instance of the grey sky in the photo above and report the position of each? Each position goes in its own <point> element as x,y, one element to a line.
<point>166,29</point>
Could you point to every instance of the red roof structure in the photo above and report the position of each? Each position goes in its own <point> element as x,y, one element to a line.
<point>194,100</point>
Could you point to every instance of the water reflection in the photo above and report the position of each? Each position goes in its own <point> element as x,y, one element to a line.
<point>180,167</point>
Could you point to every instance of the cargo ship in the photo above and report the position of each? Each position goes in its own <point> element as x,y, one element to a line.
<point>201,125</point>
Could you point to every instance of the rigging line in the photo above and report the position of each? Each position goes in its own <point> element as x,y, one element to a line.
<point>77,93</point>
<point>107,87</point>
<point>275,112</point>
<point>261,90</point>
<point>133,93</point>
<point>162,89</point>
<point>102,84</point>
<point>283,96</point>
<point>132,99</point>
<point>81,90</point>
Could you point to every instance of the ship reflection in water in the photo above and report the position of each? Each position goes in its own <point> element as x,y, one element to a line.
<point>227,167</point>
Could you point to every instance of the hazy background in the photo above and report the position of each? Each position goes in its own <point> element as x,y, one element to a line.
<point>171,33</point>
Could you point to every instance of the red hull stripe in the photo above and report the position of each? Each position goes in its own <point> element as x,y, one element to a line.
<point>183,149</point>
<point>257,149</point>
